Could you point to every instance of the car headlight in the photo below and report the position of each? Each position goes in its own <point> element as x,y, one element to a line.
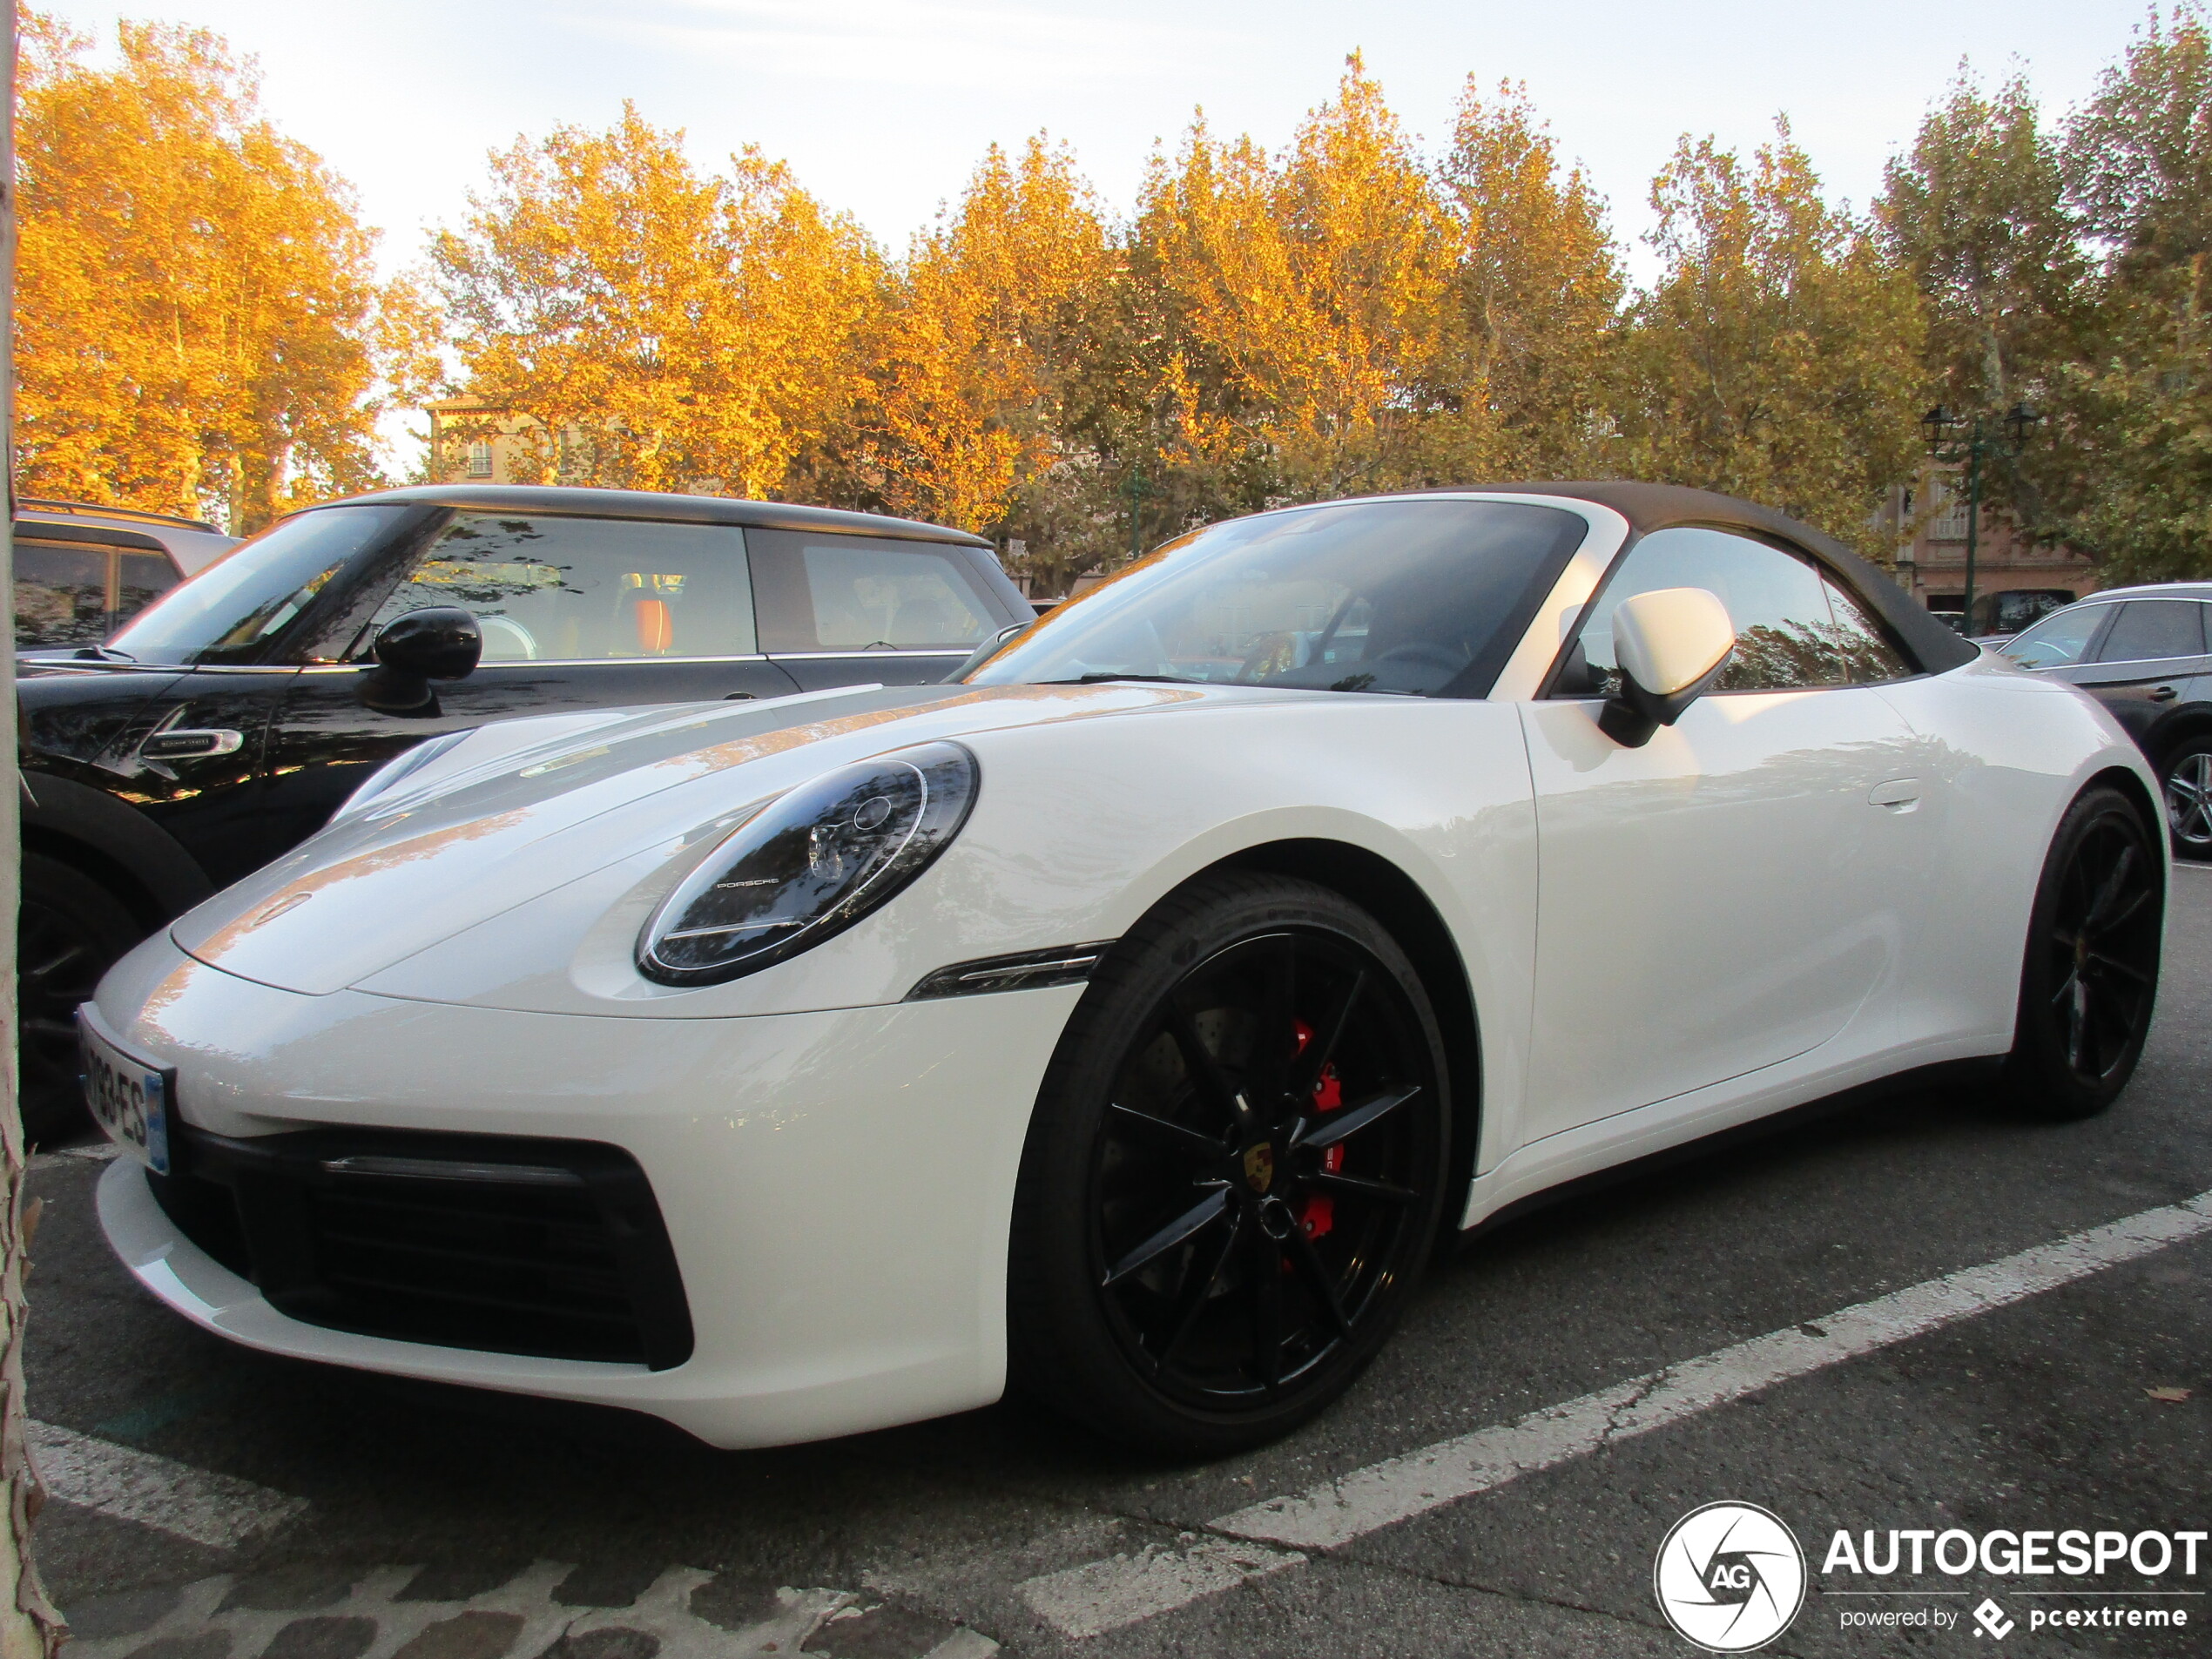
<point>809,865</point>
<point>399,766</point>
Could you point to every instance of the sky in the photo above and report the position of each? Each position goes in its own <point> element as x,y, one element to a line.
<point>883,107</point>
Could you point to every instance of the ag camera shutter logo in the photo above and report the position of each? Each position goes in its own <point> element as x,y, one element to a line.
<point>1730,1577</point>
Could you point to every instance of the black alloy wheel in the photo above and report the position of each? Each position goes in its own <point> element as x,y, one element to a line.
<point>1236,1172</point>
<point>2090,978</point>
<point>2188,798</point>
<point>68,932</point>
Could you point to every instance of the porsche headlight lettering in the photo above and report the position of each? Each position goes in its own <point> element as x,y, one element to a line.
<point>810,864</point>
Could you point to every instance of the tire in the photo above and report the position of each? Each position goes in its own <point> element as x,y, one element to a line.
<point>2089,978</point>
<point>2186,777</point>
<point>68,932</point>
<point>1203,1255</point>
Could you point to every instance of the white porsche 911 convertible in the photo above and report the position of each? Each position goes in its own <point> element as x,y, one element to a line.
<point>1131,1016</point>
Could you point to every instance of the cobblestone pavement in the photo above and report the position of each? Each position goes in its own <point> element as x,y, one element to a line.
<point>213,1503</point>
<point>414,1613</point>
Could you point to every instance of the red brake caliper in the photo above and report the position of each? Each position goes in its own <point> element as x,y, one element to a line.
<point>1317,1212</point>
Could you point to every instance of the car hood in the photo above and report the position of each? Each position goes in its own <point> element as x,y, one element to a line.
<point>525,807</point>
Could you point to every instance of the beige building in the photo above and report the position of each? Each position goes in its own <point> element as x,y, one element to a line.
<point>476,441</point>
<point>463,450</point>
<point>1933,567</point>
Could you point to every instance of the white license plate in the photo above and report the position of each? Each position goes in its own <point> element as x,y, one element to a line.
<point>129,1096</point>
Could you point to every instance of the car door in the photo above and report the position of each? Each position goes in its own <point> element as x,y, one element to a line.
<point>576,612</point>
<point>2145,662</point>
<point>1726,896</point>
<point>841,610</point>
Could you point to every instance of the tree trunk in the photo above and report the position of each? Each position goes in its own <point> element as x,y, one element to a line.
<point>29,1629</point>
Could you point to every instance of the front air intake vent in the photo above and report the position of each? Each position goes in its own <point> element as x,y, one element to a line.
<point>550,1248</point>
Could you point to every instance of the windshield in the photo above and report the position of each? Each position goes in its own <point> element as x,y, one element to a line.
<point>2060,638</point>
<point>1417,597</point>
<point>232,610</point>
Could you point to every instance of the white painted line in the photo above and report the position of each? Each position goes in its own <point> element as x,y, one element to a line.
<point>1384,1494</point>
<point>963,1643</point>
<point>1105,1595</point>
<point>1098,1596</point>
<point>115,1480</point>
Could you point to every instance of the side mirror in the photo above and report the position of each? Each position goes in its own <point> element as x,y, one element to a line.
<point>984,652</point>
<point>1671,645</point>
<point>441,643</point>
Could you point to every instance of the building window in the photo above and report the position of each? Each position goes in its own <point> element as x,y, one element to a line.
<point>1948,521</point>
<point>480,459</point>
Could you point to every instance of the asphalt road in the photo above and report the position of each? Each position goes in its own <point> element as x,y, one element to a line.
<point>425,1508</point>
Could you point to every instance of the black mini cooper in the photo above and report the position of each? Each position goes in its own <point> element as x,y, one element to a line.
<point>2146,654</point>
<point>225,724</point>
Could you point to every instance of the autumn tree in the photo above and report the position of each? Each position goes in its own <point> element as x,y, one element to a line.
<point>1539,284</point>
<point>199,328</point>
<point>1308,306</point>
<point>1778,358</point>
<point>658,329</point>
<point>980,349</point>
<point>1976,213</point>
<point>2125,465</point>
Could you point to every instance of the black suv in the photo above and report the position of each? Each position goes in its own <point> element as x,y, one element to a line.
<point>2142,652</point>
<point>224,724</point>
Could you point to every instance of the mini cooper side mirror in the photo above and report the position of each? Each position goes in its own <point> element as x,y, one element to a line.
<point>441,643</point>
<point>1671,645</point>
<point>983,652</point>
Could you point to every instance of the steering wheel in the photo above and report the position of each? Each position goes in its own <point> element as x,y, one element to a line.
<point>1271,654</point>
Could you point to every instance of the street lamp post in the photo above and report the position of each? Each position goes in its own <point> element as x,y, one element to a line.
<point>1945,443</point>
<point>1136,489</point>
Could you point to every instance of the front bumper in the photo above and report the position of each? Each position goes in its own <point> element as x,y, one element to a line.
<point>837,1187</point>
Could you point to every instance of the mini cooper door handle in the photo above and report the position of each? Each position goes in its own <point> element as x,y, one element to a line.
<point>2163,694</point>
<point>1899,794</point>
<point>178,743</point>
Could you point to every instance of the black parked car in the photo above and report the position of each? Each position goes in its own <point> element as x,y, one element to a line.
<point>2142,652</point>
<point>224,724</point>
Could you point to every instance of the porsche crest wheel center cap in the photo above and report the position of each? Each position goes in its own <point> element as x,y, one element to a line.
<point>1259,1167</point>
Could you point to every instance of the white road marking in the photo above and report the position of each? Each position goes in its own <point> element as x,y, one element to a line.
<point>127,1484</point>
<point>1103,1595</point>
<point>1098,1596</point>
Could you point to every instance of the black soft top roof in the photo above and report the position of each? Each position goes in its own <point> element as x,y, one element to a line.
<point>1654,507</point>
<point>646,503</point>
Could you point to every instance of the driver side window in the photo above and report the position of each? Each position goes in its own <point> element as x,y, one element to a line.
<point>1795,629</point>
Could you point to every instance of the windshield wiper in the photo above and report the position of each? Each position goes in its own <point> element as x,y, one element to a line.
<point>1107,679</point>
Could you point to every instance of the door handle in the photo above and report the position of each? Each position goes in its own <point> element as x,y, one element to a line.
<point>2163,694</point>
<point>179,743</point>
<point>737,696</point>
<point>1899,794</point>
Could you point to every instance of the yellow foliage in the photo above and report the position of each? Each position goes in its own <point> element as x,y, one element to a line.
<point>1538,285</point>
<point>1779,358</point>
<point>199,328</point>
<point>977,343</point>
<point>1309,299</point>
<point>661,330</point>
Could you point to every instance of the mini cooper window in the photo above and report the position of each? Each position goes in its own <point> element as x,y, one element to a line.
<point>2148,629</point>
<point>1415,598</point>
<point>825,593</point>
<point>1796,630</point>
<point>865,596</point>
<point>233,611</point>
<point>546,589</point>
